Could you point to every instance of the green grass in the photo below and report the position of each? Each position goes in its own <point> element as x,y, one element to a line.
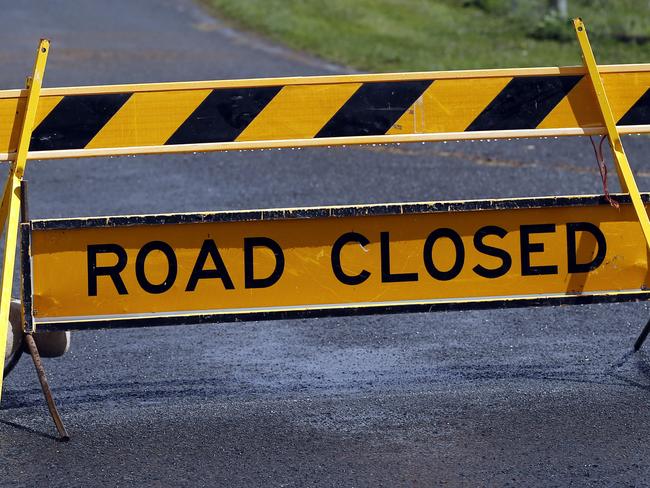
<point>393,35</point>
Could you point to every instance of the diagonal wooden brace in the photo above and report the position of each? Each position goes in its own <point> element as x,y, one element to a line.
<point>625,175</point>
<point>10,209</point>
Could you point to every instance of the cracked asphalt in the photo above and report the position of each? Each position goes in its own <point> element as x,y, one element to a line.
<point>530,397</point>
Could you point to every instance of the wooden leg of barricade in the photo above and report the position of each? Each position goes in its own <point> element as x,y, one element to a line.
<point>40,371</point>
<point>12,202</point>
<point>625,175</point>
<point>28,340</point>
<point>642,337</point>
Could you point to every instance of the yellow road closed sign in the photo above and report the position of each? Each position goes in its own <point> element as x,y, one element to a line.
<point>223,266</point>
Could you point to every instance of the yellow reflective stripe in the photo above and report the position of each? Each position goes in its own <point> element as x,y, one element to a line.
<point>577,109</point>
<point>148,118</point>
<point>327,79</point>
<point>298,112</point>
<point>449,105</point>
<point>10,108</point>
<point>623,91</point>
<point>9,129</point>
<point>45,106</point>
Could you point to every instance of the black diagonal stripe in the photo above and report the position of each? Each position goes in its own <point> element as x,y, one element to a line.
<point>639,113</point>
<point>374,108</point>
<point>223,115</point>
<point>75,121</point>
<point>524,103</point>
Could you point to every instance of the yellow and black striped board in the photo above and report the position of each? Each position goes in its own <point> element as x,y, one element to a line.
<point>326,110</point>
<point>330,261</point>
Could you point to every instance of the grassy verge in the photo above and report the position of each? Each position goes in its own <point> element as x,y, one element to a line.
<point>389,35</point>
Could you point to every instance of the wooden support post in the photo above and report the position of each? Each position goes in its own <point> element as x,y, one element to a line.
<point>625,175</point>
<point>40,371</point>
<point>12,192</point>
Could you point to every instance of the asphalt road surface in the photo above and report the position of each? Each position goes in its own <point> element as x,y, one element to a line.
<point>531,397</point>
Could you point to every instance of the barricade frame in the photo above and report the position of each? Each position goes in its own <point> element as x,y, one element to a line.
<point>14,197</point>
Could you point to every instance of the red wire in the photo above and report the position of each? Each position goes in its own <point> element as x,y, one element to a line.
<point>602,168</point>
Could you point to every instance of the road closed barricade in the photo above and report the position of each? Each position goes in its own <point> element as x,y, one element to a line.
<point>149,270</point>
<point>232,266</point>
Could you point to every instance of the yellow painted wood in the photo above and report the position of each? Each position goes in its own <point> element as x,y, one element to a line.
<point>623,91</point>
<point>298,111</point>
<point>625,175</point>
<point>4,205</point>
<point>326,141</point>
<point>11,115</point>
<point>13,184</point>
<point>308,279</point>
<point>148,118</point>
<point>577,109</point>
<point>328,79</point>
<point>292,118</point>
<point>449,105</point>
